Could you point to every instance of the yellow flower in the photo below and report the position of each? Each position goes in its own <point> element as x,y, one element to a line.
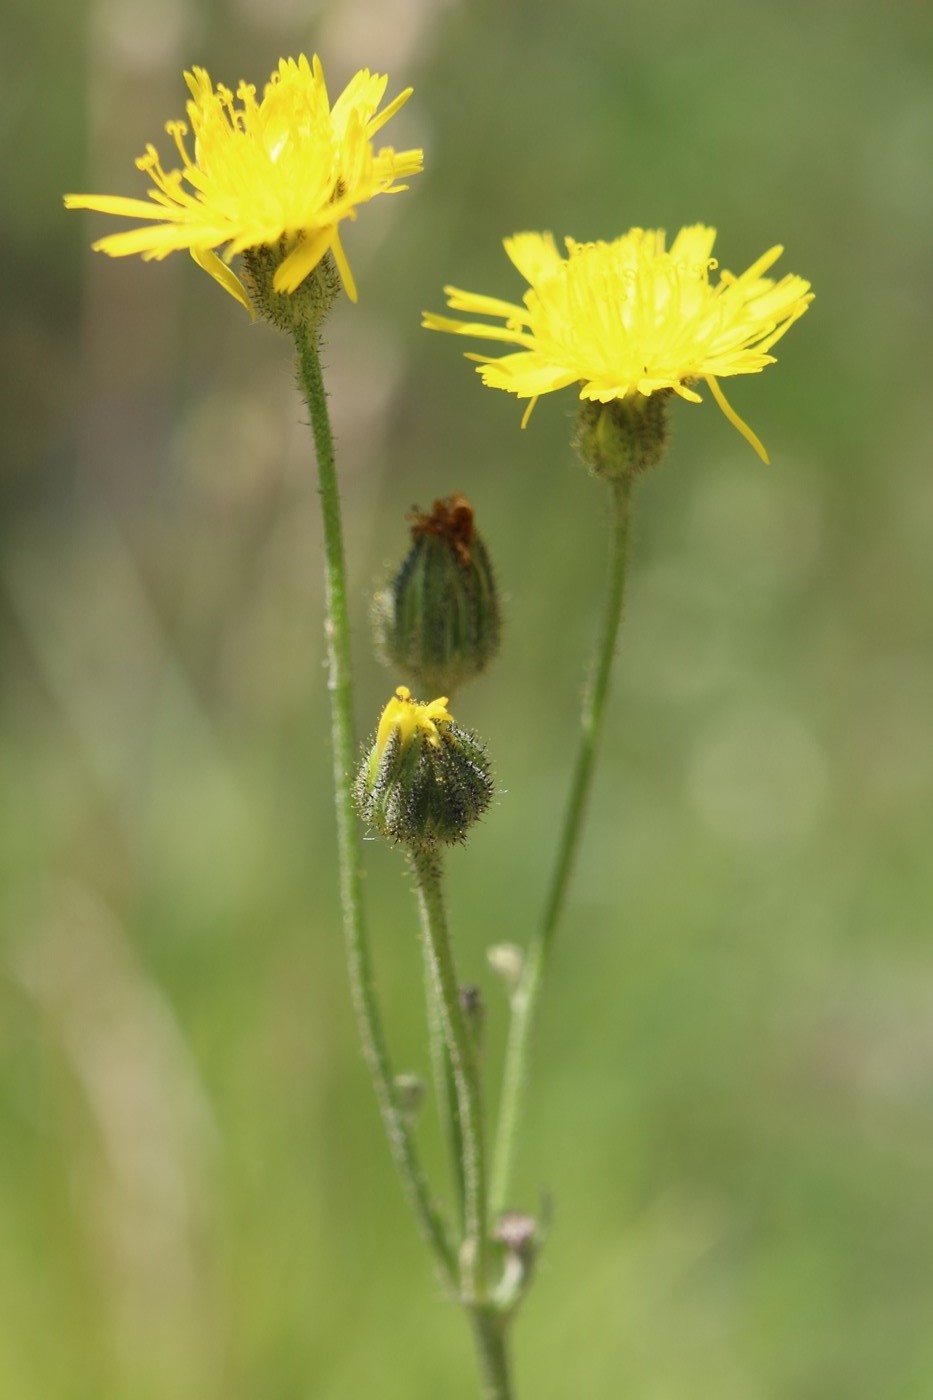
<point>630,317</point>
<point>281,172</point>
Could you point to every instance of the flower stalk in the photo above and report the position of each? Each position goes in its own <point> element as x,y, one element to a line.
<point>488,1322</point>
<point>337,630</point>
<point>490,1336</point>
<point>445,1085</point>
<point>427,871</point>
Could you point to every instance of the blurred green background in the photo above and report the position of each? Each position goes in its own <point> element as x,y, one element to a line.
<point>733,1098</point>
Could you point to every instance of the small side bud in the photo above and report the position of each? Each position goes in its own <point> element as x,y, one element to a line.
<point>620,439</point>
<point>425,780</point>
<point>517,1233</point>
<point>409,1091</point>
<point>438,619</point>
<point>507,961</point>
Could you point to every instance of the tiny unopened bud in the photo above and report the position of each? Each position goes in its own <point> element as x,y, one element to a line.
<point>516,1231</point>
<point>438,620</point>
<point>409,1092</point>
<point>424,779</point>
<point>507,961</point>
<point>619,439</point>
<point>517,1234</point>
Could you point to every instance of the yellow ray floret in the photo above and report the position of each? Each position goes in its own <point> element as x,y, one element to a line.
<point>282,171</point>
<point>407,717</point>
<point>629,317</point>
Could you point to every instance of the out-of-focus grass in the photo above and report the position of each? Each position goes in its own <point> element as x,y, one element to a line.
<point>732,1103</point>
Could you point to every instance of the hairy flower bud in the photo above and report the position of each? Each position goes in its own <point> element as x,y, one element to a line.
<point>306,307</point>
<point>424,779</point>
<point>438,619</point>
<point>619,439</point>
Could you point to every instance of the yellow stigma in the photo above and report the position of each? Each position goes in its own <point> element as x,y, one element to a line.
<point>407,717</point>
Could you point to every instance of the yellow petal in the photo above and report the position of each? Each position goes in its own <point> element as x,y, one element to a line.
<point>343,267</point>
<point>303,259</point>
<point>735,420</point>
<point>118,204</point>
<point>525,374</point>
<point>480,329</point>
<point>536,255</point>
<point>225,275</point>
<point>459,300</point>
<point>528,411</point>
<point>693,245</point>
<point>382,117</point>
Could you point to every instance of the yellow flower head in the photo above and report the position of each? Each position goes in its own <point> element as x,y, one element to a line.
<point>630,317</point>
<point>279,172</point>
<point>407,717</point>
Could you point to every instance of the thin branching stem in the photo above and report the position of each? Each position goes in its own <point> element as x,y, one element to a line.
<point>426,866</point>
<point>359,962</point>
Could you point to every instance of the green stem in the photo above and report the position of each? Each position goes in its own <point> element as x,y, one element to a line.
<point>489,1335</point>
<point>445,1085</point>
<point>426,865</point>
<point>359,963</point>
<point>525,998</point>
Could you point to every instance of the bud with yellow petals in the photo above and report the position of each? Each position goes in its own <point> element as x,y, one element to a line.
<point>425,780</point>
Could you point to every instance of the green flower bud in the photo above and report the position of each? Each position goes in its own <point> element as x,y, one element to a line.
<point>424,779</point>
<point>304,308</point>
<point>624,437</point>
<point>438,620</point>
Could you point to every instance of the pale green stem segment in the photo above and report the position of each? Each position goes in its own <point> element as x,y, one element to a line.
<point>445,1086</point>
<point>426,865</point>
<point>489,1335</point>
<point>348,843</point>
<point>525,998</point>
<point>489,1325</point>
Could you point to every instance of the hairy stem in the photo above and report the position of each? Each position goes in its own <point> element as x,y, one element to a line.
<point>445,1085</point>
<point>426,865</point>
<point>359,962</point>
<point>490,1337</point>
